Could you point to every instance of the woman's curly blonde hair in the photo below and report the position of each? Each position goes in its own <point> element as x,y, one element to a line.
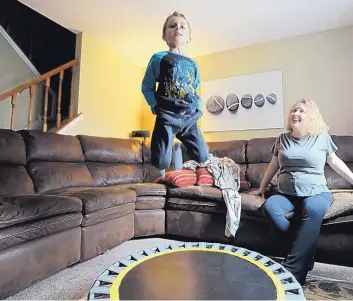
<point>316,122</point>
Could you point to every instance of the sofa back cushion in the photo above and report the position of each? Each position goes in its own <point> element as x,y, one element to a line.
<point>258,155</point>
<point>106,174</point>
<point>112,161</point>
<point>151,173</point>
<point>55,175</point>
<point>345,152</point>
<point>14,178</point>
<point>55,161</point>
<point>12,148</point>
<point>345,149</point>
<point>234,150</point>
<point>51,147</point>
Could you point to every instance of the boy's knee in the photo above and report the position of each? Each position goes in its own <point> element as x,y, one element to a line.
<point>204,156</point>
<point>161,162</point>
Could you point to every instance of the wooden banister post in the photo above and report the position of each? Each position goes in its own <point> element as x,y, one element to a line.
<point>31,97</point>
<point>14,93</point>
<point>14,99</point>
<point>71,112</point>
<point>58,116</point>
<point>47,85</point>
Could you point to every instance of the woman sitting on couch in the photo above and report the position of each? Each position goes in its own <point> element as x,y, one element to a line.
<point>299,156</point>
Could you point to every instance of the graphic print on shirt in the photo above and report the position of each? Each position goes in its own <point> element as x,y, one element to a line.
<point>178,74</point>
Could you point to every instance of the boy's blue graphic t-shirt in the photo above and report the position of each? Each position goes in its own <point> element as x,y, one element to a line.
<point>178,79</point>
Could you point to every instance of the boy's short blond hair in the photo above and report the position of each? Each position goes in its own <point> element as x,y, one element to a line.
<point>316,122</point>
<point>174,14</point>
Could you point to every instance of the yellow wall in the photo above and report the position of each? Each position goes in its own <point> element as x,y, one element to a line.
<point>317,66</point>
<point>147,118</point>
<point>109,92</point>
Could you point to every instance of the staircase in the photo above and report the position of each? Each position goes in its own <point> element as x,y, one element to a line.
<point>31,86</point>
<point>50,50</point>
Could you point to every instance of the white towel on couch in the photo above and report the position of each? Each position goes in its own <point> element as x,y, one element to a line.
<point>226,174</point>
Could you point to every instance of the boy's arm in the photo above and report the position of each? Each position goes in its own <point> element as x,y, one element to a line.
<point>197,85</point>
<point>149,83</point>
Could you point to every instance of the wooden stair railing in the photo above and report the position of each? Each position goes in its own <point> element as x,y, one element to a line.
<point>30,85</point>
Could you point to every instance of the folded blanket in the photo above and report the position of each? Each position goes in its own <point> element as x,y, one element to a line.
<point>226,174</point>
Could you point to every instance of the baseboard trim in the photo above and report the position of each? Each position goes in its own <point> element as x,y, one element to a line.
<point>68,125</point>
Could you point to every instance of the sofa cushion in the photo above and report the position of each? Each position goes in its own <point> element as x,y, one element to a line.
<point>17,234</point>
<point>111,150</point>
<point>99,198</point>
<point>149,202</point>
<point>142,189</point>
<point>151,173</point>
<point>19,209</point>
<point>342,206</point>
<point>234,149</point>
<point>334,180</point>
<point>14,180</point>
<point>340,210</point>
<point>196,193</point>
<point>47,176</point>
<point>252,203</point>
<point>255,173</point>
<point>12,148</point>
<point>249,203</point>
<point>344,144</point>
<point>46,146</point>
<point>258,150</point>
<point>107,174</point>
<point>107,214</point>
<point>178,178</point>
<point>197,205</point>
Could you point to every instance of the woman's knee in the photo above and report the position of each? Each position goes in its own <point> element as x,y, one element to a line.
<point>315,210</point>
<point>271,205</point>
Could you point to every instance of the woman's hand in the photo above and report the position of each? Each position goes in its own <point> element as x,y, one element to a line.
<point>259,191</point>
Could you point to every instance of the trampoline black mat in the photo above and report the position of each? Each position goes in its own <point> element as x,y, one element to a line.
<point>200,275</point>
<point>196,271</point>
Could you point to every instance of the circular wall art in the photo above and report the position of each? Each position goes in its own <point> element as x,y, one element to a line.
<point>272,98</point>
<point>246,101</point>
<point>259,100</point>
<point>215,104</point>
<point>232,103</point>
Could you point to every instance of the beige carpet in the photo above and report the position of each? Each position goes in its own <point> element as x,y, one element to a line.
<point>328,289</point>
<point>324,282</point>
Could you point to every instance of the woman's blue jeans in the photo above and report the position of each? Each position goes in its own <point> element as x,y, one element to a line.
<point>309,213</point>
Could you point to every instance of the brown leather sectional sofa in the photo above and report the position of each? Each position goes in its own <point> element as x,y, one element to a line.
<point>65,199</point>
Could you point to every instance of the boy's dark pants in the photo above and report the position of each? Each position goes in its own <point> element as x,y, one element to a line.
<point>186,130</point>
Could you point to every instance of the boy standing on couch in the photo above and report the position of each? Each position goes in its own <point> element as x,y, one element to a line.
<point>175,102</point>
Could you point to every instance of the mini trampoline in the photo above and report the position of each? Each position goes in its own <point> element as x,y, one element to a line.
<point>199,271</point>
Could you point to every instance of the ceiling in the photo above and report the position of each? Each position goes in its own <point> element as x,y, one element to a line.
<point>133,27</point>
